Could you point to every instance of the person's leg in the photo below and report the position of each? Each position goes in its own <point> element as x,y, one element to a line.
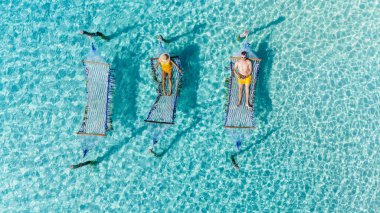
<point>236,166</point>
<point>240,89</point>
<point>101,35</point>
<point>82,164</point>
<point>152,152</point>
<point>170,84</point>
<point>163,82</point>
<point>247,96</point>
<point>242,36</point>
<point>161,39</point>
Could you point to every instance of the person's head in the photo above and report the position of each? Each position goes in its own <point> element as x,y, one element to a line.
<point>164,58</point>
<point>244,55</point>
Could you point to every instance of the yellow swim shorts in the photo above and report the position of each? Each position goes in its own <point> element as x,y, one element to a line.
<point>246,80</point>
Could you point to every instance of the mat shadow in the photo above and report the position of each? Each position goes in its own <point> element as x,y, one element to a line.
<point>125,109</point>
<point>191,67</point>
<point>127,76</point>
<point>263,102</point>
<point>115,148</point>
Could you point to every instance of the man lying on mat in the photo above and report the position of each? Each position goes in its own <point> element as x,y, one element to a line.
<point>244,76</point>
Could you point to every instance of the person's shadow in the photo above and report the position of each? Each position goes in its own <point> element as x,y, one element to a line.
<point>191,67</point>
<point>263,102</point>
<point>120,31</point>
<point>196,30</point>
<point>127,76</point>
<point>240,152</point>
<point>272,23</point>
<point>178,137</point>
<point>187,101</point>
<point>262,139</point>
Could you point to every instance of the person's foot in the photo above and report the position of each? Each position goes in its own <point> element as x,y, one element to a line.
<point>170,93</point>
<point>245,34</point>
<point>150,151</point>
<point>249,106</point>
<point>164,93</point>
<point>86,34</point>
<point>238,104</point>
<point>236,167</point>
<point>234,163</point>
<point>159,37</point>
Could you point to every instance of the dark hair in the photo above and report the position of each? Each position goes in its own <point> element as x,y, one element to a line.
<point>244,53</point>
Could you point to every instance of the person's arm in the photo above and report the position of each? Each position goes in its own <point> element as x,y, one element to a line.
<point>234,69</point>
<point>155,66</point>
<point>250,68</point>
<point>238,75</point>
<point>179,69</point>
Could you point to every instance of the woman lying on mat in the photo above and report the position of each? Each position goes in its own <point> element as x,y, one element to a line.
<point>166,66</point>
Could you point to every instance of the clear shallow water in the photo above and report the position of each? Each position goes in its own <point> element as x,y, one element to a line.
<point>317,107</point>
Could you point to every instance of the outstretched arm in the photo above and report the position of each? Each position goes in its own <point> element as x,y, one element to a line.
<point>179,69</point>
<point>250,68</point>
<point>234,69</point>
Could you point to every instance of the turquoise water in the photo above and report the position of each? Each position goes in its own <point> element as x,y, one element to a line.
<point>317,109</point>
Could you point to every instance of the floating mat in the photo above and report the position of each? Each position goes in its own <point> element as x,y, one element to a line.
<point>241,117</point>
<point>164,107</point>
<point>99,83</point>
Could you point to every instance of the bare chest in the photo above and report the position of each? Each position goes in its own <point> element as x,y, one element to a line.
<point>243,65</point>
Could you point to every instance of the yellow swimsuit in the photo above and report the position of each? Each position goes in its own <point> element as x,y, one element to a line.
<point>166,67</point>
<point>246,80</point>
